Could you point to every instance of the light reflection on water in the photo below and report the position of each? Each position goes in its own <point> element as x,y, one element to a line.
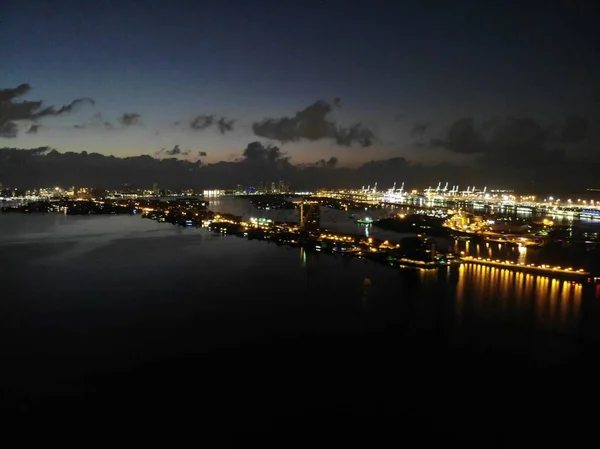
<point>517,297</point>
<point>476,293</point>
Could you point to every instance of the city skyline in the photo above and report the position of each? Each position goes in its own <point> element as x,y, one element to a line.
<point>386,94</point>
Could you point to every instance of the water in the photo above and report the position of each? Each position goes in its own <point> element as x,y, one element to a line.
<point>332,219</point>
<point>119,315</point>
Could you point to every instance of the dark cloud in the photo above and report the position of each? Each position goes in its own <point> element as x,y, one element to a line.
<point>10,94</point>
<point>9,129</point>
<point>517,150</point>
<point>97,120</point>
<point>489,124</point>
<point>225,125</point>
<point>175,151</point>
<point>71,107</point>
<point>129,119</point>
<point>202,122</point>
<point>356,133</point>
<point>462,137</point>
<point>257,153</point>
<point>202,153</point>
<point>555,171</point>
<point>511,136</point>
<point>33,129</point>
<point>337,102</point>
<point>12,111</point>
<point>312,124</point>
<point>264,162</point>
<point>517,137</point>
<point>331,162</point>
<point>419,129</point>
<point>574,129</point>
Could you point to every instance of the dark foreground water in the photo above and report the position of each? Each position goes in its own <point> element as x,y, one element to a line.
<point>126,319</point>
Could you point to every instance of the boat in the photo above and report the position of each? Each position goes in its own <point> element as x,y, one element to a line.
<point>364,221</point>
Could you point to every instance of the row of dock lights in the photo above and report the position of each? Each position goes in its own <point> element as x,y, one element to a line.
<point>522,264</point>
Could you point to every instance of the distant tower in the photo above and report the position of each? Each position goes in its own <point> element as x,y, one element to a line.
<point>310,216</point>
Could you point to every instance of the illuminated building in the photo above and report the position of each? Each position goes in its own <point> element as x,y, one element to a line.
<point>310,215</point>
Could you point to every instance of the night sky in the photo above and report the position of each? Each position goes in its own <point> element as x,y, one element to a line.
<point>431,82</point>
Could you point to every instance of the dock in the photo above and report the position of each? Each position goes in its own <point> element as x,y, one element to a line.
<point>548,270</point>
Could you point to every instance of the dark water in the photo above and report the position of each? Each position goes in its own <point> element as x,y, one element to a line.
<point>125,317</point>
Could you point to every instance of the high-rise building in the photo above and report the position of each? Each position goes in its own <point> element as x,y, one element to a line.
<point>310,215</point>
<point>283,187</point>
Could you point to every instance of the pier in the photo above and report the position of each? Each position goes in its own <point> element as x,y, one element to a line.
<point>553,271</point>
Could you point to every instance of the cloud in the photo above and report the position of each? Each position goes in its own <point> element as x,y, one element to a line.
<point>33,129</point>
<point>225,125</point>
<point>521,152</point>
<point>512,136</point>
<point>97,120</point>
<point>312,124</point>
<point>71,107</point>
<point>175,151</point>
<point>10,94</point>
<point>356,133</point>
<point>257,153</point>
<point>129,119</point>
<point>201,153</point>
<point>462,137</point>
<point>258,162</point>
<point>12,111</point>
<point>331,162</point>
<point>419,129</point>
<point>9,129</point>
<point>574,129</point>
<point>202,122</point>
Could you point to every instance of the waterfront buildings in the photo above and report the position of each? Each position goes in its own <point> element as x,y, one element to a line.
<point>310,215</point>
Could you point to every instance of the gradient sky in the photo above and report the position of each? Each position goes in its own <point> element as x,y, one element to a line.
<point>392,64</point>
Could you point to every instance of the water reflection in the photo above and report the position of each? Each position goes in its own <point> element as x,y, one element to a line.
<point>522,254</point>
<point>102,246</point>
<point>519,298</point>
<point>574,256</point>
